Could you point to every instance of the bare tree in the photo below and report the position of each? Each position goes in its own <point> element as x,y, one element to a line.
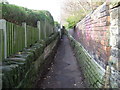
<point>78,8</point>
<point>4,1</point>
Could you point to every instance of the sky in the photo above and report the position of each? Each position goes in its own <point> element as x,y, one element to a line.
<point>53,6</point>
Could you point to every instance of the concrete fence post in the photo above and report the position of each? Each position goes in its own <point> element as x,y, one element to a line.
<point>1,54</point>
<point>25,28</point>
<point>39,28</point>
<point>3,27</point>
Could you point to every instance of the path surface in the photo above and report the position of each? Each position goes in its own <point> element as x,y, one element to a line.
<point>64,73</point>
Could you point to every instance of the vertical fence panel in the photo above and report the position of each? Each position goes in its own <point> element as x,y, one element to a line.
<point>12,38</point>
<point>17,37</point>
<point>23,38</point>
<point>19,43</point>
<point>45,29</point>
<point>28,38</point>
<point>1,45</point>
<point>7,32</point>
<point>20,33</point>
<point>37,34</point>
<point>32,35</point>
<point>42,30</point>
<point>49,29</point>
<point>48,33</point>
<point>14,44</point>
<point>3,51</point>
<point>36,30</point>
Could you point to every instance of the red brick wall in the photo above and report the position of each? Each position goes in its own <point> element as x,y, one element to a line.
<point>94,34</point>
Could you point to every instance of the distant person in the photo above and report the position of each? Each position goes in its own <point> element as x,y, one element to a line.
<point>63,27</point>
<point>74,27</point>
<point>62,31</point>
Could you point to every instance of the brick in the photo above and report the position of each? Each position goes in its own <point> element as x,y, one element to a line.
<point>108,49</point>
<point>100,34</point>
<point>102,42</point>
<point>106,13</point>
<point>103,19</point>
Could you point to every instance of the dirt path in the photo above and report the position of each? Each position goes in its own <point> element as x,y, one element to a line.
<point>64,73</point>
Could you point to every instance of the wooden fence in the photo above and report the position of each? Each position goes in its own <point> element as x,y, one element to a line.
<point>14,38</point>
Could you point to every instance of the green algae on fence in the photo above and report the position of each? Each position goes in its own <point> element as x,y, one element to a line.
<point>1,45</point>
<point>15,38</point>
<point>42,29</point>
<point>48,29</point>
<point>32,35</point>
<point>19,37</point>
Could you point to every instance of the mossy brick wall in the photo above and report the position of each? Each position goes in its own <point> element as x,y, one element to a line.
<point>22,69</point>
<point>94,34</point>
<point>99,34</point>
<point>92,72</point>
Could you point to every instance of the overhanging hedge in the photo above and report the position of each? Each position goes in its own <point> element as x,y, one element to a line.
<point>17,15</point>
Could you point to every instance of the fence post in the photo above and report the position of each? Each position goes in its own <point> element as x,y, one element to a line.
<point>39,28</point>
<point>25,28</point>
<point>3,26</point>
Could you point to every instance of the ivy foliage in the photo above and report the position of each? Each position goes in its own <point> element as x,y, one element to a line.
<point>18,14</point>
<point>73,19</point>
<point>57,24</point>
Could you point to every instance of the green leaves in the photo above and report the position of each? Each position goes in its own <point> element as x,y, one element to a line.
<point>17,15</point>
<point>75,18</point>
<point>57,24</point>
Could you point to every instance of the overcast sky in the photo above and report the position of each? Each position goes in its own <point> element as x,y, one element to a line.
<point>53,6</point>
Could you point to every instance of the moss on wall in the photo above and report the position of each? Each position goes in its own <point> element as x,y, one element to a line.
<point>21,70</point>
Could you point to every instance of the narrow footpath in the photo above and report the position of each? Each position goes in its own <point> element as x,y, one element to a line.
<point>64,72</point>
